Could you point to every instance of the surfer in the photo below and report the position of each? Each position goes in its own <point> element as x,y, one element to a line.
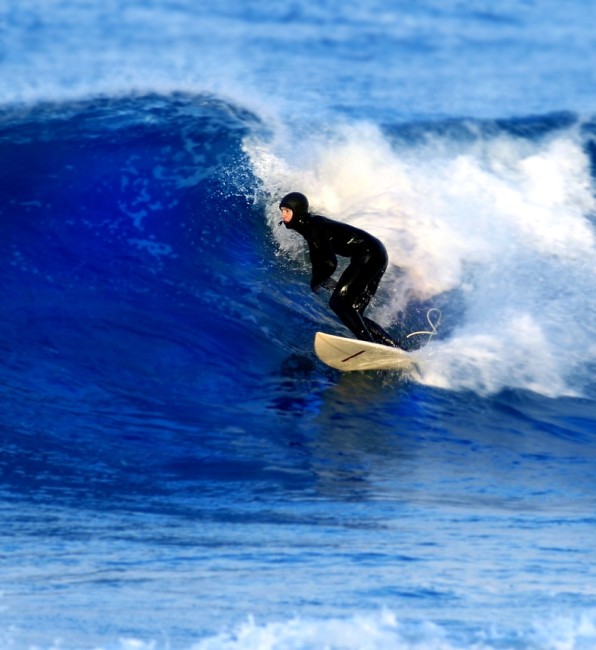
<point>327,238</point>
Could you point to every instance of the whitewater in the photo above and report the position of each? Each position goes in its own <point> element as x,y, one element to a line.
<point>177,469</point>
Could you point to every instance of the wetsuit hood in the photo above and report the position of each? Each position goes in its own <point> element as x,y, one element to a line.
<point>298,204</point>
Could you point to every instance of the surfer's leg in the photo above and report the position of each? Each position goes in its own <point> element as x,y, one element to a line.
<point>370,285</point>
<point>362,327</point>
<point>354,291</point>
<point>380,335</point>
<point>344,298</point>
<point>348,315</point>
<point>359,283</point>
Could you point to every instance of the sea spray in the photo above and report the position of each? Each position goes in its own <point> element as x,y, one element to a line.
<point>493,223</point>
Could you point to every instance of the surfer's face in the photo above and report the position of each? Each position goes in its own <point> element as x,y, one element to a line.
<point>286,215</point>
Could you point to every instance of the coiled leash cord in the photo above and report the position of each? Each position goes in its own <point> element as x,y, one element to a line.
<point>433,325</point>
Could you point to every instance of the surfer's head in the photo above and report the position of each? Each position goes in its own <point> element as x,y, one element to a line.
<point>293,205</point>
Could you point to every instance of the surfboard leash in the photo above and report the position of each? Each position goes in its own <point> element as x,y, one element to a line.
<point>433,325</point>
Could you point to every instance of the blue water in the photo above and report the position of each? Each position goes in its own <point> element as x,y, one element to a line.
<point>177,469</point>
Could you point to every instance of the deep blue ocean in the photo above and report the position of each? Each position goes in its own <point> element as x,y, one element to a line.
<point>177,469</point>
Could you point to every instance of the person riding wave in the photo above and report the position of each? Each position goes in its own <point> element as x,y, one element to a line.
<point>326,239</point>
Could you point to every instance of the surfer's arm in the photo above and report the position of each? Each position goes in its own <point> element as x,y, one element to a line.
<point>324,263</point>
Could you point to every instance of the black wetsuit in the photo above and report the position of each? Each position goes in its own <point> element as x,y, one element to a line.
<point>358,283</point>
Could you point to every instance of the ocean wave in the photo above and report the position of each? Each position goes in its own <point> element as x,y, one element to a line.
<point>175,197</point>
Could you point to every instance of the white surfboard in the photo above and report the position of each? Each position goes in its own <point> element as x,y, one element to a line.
<point>351,354</point>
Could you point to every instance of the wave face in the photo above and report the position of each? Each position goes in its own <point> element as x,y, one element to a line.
<point>177,469</point>
<point>161,212</point>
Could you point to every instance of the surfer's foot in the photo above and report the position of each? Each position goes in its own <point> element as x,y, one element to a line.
<point>400,346</point>
<point>389,341</point>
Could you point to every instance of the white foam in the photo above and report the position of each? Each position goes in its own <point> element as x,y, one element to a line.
<point>366,631</point>
<point>502,222</point>
<point>371,632</point>
<point>384,631</point>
